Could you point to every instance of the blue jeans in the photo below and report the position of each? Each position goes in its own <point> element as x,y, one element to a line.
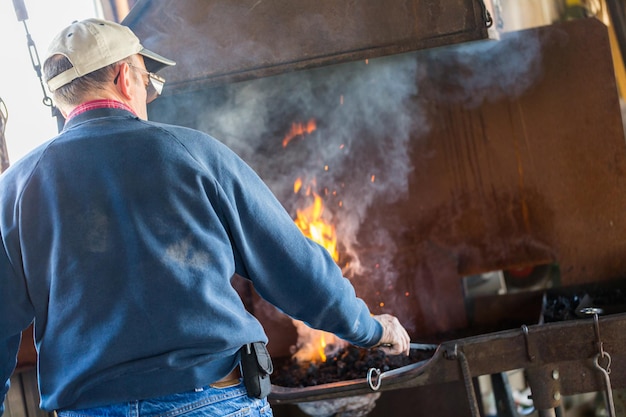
<point>232,401</point>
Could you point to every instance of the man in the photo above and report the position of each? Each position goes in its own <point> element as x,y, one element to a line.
<point>121,236</point>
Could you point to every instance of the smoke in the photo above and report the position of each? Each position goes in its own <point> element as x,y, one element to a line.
<point>485,71</point>
<point>358,155</point>
<point>366,116</point>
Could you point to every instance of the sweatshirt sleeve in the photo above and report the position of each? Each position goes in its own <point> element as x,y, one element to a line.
<point>292,272</point>
<point>16,313</point>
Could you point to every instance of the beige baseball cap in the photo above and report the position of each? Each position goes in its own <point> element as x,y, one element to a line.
<point>92,44</point>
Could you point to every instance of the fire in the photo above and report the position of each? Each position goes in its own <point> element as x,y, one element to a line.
<point>299,129</point>
<point>297,185</point>
<point>313,345</point>
<point>310,221</point>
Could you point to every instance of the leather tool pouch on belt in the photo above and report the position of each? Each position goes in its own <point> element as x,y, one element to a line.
<point>256,365</point>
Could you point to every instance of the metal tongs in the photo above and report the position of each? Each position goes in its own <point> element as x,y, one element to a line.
<point>375,376</point>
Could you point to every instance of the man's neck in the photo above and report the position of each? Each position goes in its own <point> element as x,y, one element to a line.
<point>99,104</point>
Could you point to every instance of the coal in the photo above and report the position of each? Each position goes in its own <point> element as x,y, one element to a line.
<point>349,364</point>
<point>570,303</point>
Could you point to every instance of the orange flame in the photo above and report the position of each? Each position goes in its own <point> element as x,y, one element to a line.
<point>309,220</point>
<point>322,348</point>
<point>299,129</point>
<point>313,344</point>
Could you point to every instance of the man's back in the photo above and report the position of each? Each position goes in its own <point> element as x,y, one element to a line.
<point>132,263</point>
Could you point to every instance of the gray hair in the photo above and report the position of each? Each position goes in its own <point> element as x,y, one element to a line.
<point>75,92</point>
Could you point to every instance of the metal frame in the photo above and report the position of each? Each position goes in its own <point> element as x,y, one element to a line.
<point>560,359</point>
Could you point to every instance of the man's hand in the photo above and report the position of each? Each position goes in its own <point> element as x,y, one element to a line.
<point>395,340</point>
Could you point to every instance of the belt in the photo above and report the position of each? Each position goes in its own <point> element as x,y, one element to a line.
<point>229,380</point>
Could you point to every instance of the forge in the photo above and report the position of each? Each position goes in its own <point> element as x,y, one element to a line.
<point>438,154</point>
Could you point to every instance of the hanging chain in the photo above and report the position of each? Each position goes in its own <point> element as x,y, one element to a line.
<point>486,15</point>
<point>34,58</point>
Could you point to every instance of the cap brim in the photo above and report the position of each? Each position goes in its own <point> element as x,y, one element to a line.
<point>154,61</point>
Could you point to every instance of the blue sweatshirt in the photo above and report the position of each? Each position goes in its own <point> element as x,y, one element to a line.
<point>120,239</point>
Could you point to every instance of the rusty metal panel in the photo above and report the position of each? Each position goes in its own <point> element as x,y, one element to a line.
<point>515,178</point>
<point>534,177</point>
<point>229,40</point>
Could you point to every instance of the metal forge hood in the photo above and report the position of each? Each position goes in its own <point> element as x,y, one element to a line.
<point>215,41</point>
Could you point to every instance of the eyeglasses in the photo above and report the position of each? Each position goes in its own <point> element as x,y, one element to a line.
<point>154,86</point>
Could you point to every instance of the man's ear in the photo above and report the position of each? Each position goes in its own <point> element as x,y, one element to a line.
<point>124,81</point>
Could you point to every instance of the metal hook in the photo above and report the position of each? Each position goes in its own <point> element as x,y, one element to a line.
<point>596,362</point>
<point>605,371</point>
<point>374,385</point>
<point>610,405</point>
